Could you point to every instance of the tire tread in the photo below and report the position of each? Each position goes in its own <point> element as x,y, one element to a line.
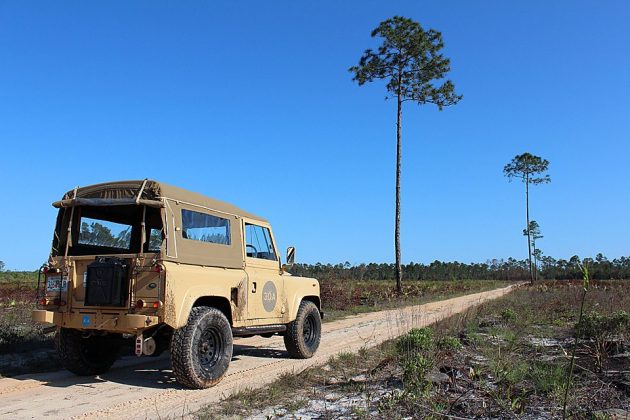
<point>293,338</point>
<point>182,341</point>
<point>69,342</point>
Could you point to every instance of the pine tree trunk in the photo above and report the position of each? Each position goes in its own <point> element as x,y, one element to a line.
<point>398,165</point>
<point>529,242</point>
<point>535,261</point>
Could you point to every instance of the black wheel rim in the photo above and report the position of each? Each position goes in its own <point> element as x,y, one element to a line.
<point>210,349</point>
<point>310,329</point>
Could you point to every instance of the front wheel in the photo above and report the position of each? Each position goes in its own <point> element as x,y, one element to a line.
<point>201,351</point>
<point>303,335</point>
<point>86,355</point>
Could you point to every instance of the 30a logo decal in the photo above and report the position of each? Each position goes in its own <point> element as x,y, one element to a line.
<point>269,296</point>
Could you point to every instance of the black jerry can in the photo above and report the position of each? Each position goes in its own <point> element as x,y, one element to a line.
<point>107,282</point>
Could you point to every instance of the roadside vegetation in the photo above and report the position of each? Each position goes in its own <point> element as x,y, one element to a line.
<point>19,334</point>
<point>24,345</point>
<point>17,300</point>
<point>506,358</point>
<point>27,347</point>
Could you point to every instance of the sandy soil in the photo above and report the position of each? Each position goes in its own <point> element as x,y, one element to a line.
<point>145,387</point>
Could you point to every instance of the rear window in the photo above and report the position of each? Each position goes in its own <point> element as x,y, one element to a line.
<point>108,230</point>
<point>103,233</point>
<point>205,227</point>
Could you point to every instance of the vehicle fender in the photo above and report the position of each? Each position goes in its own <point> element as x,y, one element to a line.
<point>299,289</point>
<point>188,286</point>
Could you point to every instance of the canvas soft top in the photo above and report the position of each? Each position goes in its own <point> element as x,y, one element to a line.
<point>144,192</point>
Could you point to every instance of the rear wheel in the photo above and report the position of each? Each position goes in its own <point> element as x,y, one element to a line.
<point>303,335</point>
<point>201,351</point>
<point>86,355</point>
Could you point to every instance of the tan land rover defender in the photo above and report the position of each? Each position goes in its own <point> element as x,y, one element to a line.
<point>175,269</point>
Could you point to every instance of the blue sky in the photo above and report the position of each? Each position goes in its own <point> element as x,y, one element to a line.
<point>252,103</point>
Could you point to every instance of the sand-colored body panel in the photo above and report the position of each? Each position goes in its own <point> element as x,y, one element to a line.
<point>298,289</point>
<point>186,284</point>
<point>236,287</point>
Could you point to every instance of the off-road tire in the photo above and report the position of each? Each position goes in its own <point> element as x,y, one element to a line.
<point>201,351</point>
<point>303,335</point>
<point>86,356</point>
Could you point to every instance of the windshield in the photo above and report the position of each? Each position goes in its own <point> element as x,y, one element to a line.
<point>108,230</point>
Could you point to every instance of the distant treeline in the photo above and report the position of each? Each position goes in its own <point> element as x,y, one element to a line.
<point>18,276</point>
<point>511,269</point>
<point>600,267</point>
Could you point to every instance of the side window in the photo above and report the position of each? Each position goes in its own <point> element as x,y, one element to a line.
<point>205,227</point>
<point>258,242</point>
<point>155,240</point>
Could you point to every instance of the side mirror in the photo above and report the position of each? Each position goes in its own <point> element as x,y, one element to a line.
<point>290,257</point>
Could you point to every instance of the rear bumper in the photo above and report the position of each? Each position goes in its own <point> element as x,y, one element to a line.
<point>96,321</point>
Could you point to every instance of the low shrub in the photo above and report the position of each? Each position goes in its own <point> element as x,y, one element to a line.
<point>508,315</point>
<point>606,332</point>
<point>414,371</point>
<point>603,327</point>
<point>415,352</point>
<point>416,340</point>
<point>449,344</point>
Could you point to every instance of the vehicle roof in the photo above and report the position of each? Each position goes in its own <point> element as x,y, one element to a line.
<point>154,190</point>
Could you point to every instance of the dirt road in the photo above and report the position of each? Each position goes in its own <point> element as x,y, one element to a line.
<point>145,387</point>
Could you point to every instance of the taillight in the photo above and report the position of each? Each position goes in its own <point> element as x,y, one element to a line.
<point>50,270</point>
<point>158,268</point>
<point>141,303</point>
<point>56,302</point>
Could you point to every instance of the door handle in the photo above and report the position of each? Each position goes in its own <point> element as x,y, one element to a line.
<point>253,287</point>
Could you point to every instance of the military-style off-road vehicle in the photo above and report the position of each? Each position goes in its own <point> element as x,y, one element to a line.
<point>175,269</point>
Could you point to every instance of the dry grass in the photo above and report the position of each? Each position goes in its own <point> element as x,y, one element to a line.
<point>18,333</point>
